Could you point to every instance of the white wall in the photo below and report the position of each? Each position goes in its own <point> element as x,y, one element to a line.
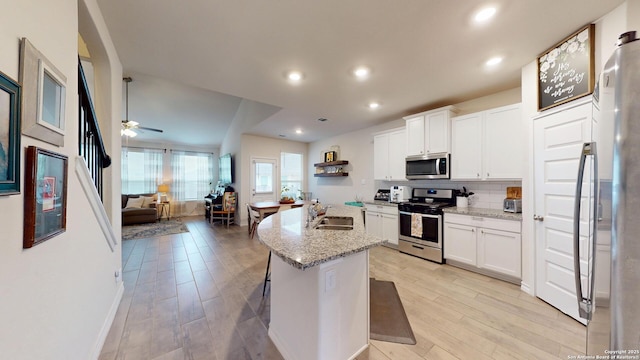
<point>57,297</point>
<point>608,28</point>
<point>264,147</point>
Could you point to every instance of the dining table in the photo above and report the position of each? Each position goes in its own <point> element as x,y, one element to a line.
<point>266,208</point>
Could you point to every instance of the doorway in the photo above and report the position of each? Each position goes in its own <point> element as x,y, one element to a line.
<point>263,179</point>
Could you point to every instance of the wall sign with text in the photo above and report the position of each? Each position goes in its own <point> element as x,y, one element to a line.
<point>566,71</point>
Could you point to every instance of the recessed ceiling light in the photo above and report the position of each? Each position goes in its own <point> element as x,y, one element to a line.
<point>298,131</point>
<point>362,72</point>
<point>374,105</point>
<point>485,14</point>
<point>294,76</point>
<point>494,61</point>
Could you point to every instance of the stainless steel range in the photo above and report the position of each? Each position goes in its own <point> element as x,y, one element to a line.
<point>420,223</point>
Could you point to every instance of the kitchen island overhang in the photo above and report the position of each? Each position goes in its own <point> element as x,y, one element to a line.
<point>319,284</point>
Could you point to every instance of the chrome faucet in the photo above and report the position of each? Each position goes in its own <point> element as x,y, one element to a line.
<point>311,214</point>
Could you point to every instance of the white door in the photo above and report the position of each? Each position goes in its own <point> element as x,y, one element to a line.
<point>558,140</point>
<point>263,179</point>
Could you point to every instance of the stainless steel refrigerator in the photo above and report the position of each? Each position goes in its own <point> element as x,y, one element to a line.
<point>609,295</point>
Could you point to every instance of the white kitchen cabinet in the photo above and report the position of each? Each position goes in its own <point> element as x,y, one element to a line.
<point>382,221</point>
<point>429,132</point>
<point>488,145</point>
<point>461,243</point>
<point>487,245</point>
<point>389,155</point>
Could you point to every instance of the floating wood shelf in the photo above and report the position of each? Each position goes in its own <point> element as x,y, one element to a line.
<point>331,163</point>
<point>331,174</point>
<point>337,164</point>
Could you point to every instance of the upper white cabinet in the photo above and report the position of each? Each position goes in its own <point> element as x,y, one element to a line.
<point>488,145</point>
<point>429,131</point>
<point>389,152</point>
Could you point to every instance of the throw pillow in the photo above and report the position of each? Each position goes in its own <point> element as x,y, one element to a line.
<point>148,200</point>
<point>133,203</point>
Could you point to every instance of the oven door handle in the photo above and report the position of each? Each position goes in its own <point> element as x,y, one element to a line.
<point>423,215</point>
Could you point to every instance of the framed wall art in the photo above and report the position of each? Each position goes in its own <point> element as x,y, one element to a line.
<point>9,135</point>
<point>330,156</point>
<point>44,96</point>
<point>45,199</point>
<point>567,71</point>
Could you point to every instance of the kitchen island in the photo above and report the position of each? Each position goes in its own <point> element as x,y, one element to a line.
<point>319,284</point>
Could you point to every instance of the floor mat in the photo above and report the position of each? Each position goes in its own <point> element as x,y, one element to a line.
<point>388,321</point>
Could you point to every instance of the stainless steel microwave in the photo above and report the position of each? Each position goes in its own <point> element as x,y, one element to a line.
<point>432,166</point>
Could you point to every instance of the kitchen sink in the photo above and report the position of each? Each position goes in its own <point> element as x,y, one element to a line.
<point>335,223</point>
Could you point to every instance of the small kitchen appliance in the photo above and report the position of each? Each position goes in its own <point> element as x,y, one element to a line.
<point>512,205</point>
<point>421,225</point>
<point>399,194</point>
<point>382,195</point>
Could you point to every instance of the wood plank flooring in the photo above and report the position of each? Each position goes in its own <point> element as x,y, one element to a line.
<point>198,295</point>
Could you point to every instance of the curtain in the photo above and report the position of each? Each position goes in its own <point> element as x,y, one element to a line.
<point>141,170</point>
<point>192,174</point>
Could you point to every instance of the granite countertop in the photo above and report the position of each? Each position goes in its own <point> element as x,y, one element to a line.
<point>380,202</point>
<point>286,235</point>
<point>492,213</point>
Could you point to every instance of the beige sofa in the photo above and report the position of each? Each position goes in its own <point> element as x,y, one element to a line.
<point>139,209</point>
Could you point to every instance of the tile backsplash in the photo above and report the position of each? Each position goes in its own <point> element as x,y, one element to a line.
<point>487,194</point>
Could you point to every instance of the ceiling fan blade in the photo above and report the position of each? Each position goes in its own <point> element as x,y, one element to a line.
<point>150,129</point>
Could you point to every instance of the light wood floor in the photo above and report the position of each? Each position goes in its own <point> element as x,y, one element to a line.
<point>198,295</point>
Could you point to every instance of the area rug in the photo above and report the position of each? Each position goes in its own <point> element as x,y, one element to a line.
<point>388,321</point>
<point>142,231</point>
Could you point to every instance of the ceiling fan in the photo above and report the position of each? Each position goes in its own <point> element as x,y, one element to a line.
<point>128,126</point>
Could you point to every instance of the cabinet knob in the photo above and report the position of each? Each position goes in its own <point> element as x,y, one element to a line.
<point>473,230</point>
<point>487,174</point>
<point>478,175</point>
<point>538,218</point>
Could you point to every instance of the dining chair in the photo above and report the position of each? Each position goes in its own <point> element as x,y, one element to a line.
<point>254,220</point>
<point>228,212</point>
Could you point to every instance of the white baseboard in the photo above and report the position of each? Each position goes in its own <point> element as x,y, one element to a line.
<point>362,349</point>
<point>106,326</point>
<point>279,344</point>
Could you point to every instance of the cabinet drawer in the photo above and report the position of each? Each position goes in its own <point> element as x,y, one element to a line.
<point>382,209</point>
<point>483,222</point>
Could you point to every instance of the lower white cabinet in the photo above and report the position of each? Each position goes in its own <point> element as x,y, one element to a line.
<point>382,221</point>
<point>484,243</point>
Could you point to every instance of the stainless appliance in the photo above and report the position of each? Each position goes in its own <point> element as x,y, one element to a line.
<point>399,194</point>
<point>382,195</point>
<point>512,205</point>
<point>431,166</point>
<point>608,299</point>
<point>420,223</point>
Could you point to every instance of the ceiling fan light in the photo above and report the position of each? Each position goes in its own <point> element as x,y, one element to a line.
<point>132,123</point>
<point>129,133</point>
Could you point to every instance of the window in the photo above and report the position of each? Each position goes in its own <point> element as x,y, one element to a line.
<point>291,174</point>
<point>141,170</point>
<point>264,177</point>
<point>192,174</point>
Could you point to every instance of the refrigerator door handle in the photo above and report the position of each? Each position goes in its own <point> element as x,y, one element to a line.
<point>584,304</point>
